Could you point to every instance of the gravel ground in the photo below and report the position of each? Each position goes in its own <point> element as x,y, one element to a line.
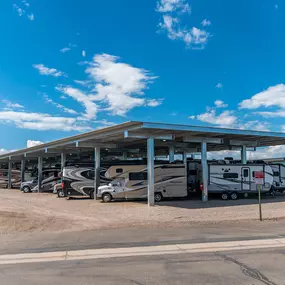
<point>43,212</point>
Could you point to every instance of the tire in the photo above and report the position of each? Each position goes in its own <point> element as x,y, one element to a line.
<point>225,196</point>
<point>234,196</point>
<point>107,198</point>
<point>60,193</point>
<point>26,189</point>
<point>158,197</point>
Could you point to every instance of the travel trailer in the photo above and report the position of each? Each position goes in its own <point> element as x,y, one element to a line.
<point>50,177</point>
<point>232,180</point>
<point>130,182</point>
<point>15,179</point>
<point>278,177</point>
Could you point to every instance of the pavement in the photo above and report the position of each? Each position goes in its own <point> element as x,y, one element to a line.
<point>233,253</point>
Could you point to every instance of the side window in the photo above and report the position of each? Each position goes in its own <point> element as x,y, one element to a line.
<point>119,170</point>
<point>275,173</point>
<point>228,175</point>
<point>193,172</point>
<point>245,173</point>
<point>137,176</point>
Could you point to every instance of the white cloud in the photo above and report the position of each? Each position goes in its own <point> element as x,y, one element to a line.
<point>220,104</point>
<point>31,17</point>
<point>11,105</point>
<point>192,117</point>
<point>118,84</point>
<point>260,153</point>
<point>91,108</point>
<point>206,23</point>
<point>43,70</point>
<point>164,6</point>
<point>31,143</point>
<point>26,3</point>
<point>83,82</point>
<point>219,85</point>
<point>66,49</point>
<point>225,119</point>
<point>280,113</point>
<point>19,10</point>
<point>154,102</point>
<point>83,53</point>
<point>171,23</point>
<point>272,96</point>
<point>41,121</point>
<point>59,106</point>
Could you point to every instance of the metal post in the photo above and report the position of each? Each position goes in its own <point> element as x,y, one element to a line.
<point>22,170</point>
<point>171,154</point>
<point>97,157</point>
<point>204,171</point>
<point>125,155</point>
<point>150,171</point>
<point>184,156</point>
<point>243,154</point>
<point>9,186</point>
<point>63,160</point>
<point>40,173</point>
<point>259,202</point>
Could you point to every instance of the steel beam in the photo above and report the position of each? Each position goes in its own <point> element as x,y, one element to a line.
<point>97,157</point>
<point>23,170</point>
<point>62,160</point>
<point>192,139</point>
<point>243,154</point>
<point>92,145</point>
<point>150,171</point>
<point>241,143</point>
<point>204,171</point>
<point>40,173</point>
<point>141,135</point>
<point>9,174</point>
<point>185,156</point>
<point>171,154</point>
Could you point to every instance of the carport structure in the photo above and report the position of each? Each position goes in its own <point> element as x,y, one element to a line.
<point>148,139</point>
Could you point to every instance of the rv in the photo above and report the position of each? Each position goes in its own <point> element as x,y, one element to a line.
<point>130,182</point>
<point>15,179</point>
<point>50,177</point>
<point>231,180</point>
<point>278,177</point>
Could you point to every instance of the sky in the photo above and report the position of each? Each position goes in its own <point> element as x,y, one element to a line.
<point>67,67</point>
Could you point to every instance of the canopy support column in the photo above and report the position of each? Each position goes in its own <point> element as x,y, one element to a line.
<point>150,171</point>
<point>204,171</point>
<point>243,155</point>
<point>9,186</point>
<point>97,156</point>
<point>40,173</point>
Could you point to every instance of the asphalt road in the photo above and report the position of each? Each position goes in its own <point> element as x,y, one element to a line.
<point>264,266</point>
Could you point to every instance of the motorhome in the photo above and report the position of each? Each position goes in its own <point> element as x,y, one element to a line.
<point>50,177</point>
<point>130,182</point>
<point>232,180</point>
<point>15,179</point>
<point>278,177</point>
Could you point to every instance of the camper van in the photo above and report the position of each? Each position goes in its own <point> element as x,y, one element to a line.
<point>130,182</point>
<point>49,178</point>
<point>278,177</point>
<point>15,179</point>
<point>231,180</point>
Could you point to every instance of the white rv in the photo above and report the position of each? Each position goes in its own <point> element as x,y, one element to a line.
<point>230,180</point>
<point>278,177</point>
<point>130,182</point>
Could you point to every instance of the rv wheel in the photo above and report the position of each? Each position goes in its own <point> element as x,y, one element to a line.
<point>234,196</point>
<point>107,198</point>
<point>158,197</point>
<point>225,196</point>
<point>26,189</point>
<point>60,193</point>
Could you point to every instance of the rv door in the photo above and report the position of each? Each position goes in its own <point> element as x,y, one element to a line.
<point>245,179</point>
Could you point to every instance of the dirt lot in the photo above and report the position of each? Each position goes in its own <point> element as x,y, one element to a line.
<point>34,212</point>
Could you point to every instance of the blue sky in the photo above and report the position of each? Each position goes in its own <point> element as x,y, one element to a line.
<point>72,66</point>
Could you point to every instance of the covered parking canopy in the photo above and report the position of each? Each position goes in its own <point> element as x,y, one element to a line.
<point>149,139</point>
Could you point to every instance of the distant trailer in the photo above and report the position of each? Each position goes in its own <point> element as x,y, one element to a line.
<point>278,177</point>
